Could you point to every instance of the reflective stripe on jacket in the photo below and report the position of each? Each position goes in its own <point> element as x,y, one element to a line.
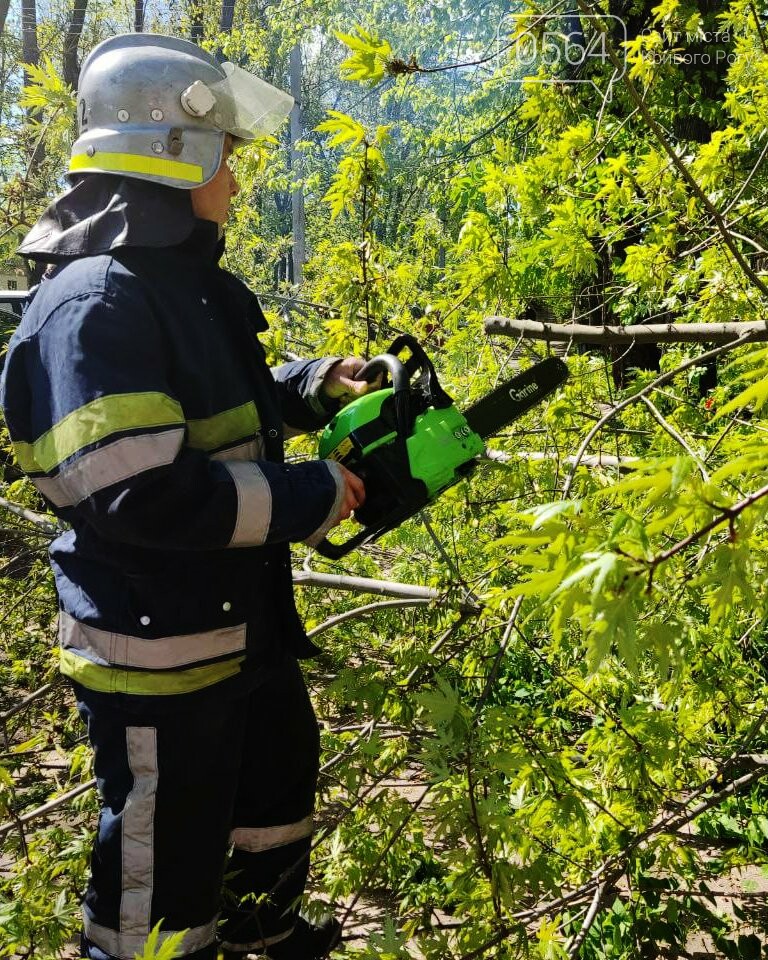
<point>141,405</point>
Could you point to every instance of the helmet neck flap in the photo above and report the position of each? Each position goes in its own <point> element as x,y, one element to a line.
<point>100,213</point>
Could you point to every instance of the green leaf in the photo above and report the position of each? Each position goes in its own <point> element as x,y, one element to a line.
<point>162,946</point>
<point>370,56</point>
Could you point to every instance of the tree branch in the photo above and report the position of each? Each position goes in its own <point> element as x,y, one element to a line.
<point>670,430</point>
<point>658,382</point>
<point>637,333</point>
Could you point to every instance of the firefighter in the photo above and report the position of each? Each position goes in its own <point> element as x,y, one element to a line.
<point>141,405</point>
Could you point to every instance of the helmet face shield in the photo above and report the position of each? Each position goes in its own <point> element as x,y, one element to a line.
<point>247,106</point>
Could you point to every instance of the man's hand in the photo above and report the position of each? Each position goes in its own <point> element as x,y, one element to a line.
<point>340,383</point>
<point>354,495</point>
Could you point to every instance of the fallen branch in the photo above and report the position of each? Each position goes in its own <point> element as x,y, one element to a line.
<point>17,708</point>
<point>47,525</point>
<point>537,456</point>
<point>47,808</point>
<point>609,872</point>
<point>637,333</point>
<point>387,588</point>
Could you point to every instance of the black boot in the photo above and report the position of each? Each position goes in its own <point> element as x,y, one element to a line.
<point>308,941</point>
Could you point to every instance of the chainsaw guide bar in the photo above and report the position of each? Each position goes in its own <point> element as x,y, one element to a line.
<point>516,397</point>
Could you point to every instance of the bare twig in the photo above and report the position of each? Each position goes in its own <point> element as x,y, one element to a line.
<point>368,608</point>
<point>727,515</point>
<point>574,948</point>
<point>47,808</point>
<point>658,382</point>
<point>678,438</point>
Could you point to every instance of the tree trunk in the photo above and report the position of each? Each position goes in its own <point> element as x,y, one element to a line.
<point>227,16</point>
<point>297,197</point>
<point>197,20</point>
<point>138,16</point>
<point>30,51</point>
<point>71,41</point>
<point>4,4</point>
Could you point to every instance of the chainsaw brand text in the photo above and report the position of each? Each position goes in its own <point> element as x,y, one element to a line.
<point>522,393</point>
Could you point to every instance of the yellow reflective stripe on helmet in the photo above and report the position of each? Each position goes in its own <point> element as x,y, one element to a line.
<point>102,162</point>
<point>95,421</point>
<point>236,423</point>
<point>144,682</point>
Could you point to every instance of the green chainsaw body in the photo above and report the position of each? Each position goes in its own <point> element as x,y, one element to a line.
<point>441,444</point>
<point>409,442</point>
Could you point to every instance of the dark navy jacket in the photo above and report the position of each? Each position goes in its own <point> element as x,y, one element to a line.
<point>139,401</point>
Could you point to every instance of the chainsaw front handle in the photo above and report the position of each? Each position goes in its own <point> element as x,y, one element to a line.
<point>401,388</point>
<point>385,363</point>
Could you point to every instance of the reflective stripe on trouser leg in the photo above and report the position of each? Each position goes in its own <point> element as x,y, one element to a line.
<point>272,826</point>
<point>137,844</point>
<point>193,757</point>
<point>138,829</point>
<point>280,873</point>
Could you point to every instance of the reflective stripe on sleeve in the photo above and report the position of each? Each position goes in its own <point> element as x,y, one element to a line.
<point>236,423</point>
<point>138,829</point>
<point>102,467</point>
<point>144,682</point>
<point>95,421</point>
<point>163,653</point>
<point>102,162</point>
<point>254,504</point>
<point>126,946</point>
<point>258,839</point>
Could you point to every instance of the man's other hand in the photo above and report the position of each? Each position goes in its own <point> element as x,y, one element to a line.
<point>340,383</point>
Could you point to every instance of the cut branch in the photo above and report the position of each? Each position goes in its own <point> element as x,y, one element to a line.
<point>637,333</point>
<point>386,588</point>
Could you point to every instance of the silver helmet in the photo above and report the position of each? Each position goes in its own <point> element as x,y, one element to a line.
<point>157,108</point>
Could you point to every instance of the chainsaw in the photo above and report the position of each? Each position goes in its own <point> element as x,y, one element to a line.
<point>408,441</point>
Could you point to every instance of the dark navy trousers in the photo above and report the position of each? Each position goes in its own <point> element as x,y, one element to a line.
<point>193,793</point>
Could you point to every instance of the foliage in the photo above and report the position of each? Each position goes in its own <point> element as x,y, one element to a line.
<point>577,741</point>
